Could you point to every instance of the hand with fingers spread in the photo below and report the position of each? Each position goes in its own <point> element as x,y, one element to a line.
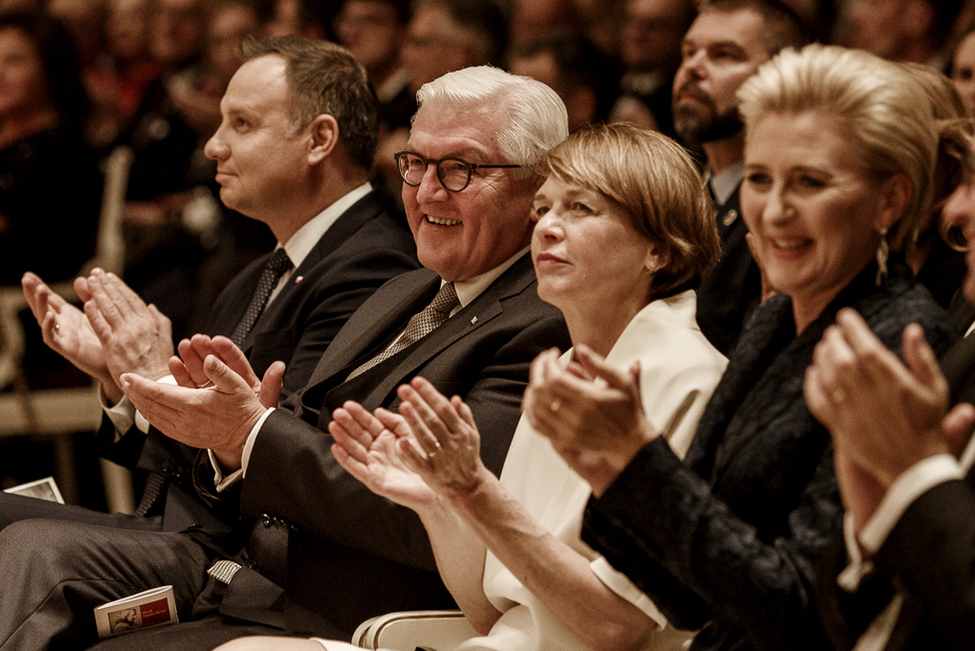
<point>444,445</point>
<point>432,447</point>
<point>596,425</point>
<point>219,417</point>
<point>135,337</point>
<point>884,414</point>
<point>66,330</point>
<point>368,447</point>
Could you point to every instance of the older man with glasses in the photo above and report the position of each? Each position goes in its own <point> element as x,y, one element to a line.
<point>320,552</point>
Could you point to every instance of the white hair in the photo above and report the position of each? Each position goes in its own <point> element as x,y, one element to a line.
<point>532,118</point>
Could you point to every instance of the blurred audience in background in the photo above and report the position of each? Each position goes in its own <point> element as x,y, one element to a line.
<point>963,69</point>
<point>905,30</point>
<point>584,77</point>
<point>50,187</point>
<point>650,38</point>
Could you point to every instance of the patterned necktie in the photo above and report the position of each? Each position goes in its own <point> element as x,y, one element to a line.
<point>422,324</point>
<point>276,266</point>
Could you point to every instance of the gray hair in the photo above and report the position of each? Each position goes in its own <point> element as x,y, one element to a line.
<point>532,118</point>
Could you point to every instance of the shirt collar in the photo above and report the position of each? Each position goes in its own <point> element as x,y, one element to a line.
<point>305,238</point>
<point>724,183</point>
<point>468,290</point>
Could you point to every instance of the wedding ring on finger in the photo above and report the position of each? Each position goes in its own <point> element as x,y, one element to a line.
<point>435,451</point>
<point>208,383</point>
<point>555,406</point>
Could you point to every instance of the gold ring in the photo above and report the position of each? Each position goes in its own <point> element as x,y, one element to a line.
<point>555,406</point>
<point>208,383</point>
<point>436,450</point>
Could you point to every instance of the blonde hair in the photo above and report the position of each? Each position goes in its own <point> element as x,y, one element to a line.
<point>657,184</point>
<point>880,106</point>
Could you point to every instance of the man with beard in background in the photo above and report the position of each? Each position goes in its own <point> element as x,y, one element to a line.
<point>724,46</point>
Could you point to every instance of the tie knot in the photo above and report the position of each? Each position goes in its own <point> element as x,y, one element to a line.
<point>279,262</point>
<point>446,299</point>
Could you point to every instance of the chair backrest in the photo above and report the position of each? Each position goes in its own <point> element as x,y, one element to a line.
<point>109,248</point>
<point>428,630</point>
<point>109,255</point>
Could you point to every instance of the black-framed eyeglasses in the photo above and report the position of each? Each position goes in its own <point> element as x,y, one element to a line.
<point>454,173</point>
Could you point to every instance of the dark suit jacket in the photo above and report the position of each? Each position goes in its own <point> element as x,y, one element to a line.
<point>732,288</point>
<point>930,553</point>
<point>342,553</point>
<point>728,539</point>
<point>364,248</point>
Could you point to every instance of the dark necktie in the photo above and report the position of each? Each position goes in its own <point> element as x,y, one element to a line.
<point>423,323</point>
<point>276,266</point>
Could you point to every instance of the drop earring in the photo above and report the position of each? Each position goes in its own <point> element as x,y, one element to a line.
<point>883,252</point>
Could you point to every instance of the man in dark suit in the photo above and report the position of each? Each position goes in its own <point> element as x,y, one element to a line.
<point>724,46</point>
<point>325,552</point>
<point>902,578</point>
<point>310,188</point>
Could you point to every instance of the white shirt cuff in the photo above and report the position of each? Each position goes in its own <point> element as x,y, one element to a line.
<point>140,421</point>
<point>223,483</point>
<point>122,414</point>
<point>910,485</point>
<point>849,579</point>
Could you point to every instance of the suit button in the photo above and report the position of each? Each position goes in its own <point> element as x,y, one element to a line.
<point>267,521</point>
<point>251,563</point>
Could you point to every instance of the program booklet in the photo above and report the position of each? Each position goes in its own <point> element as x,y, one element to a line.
<point>150,608</point>
<point>42,489</point>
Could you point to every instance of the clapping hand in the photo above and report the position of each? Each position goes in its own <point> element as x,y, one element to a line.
<point>591,412</point>
<point>66,330</point>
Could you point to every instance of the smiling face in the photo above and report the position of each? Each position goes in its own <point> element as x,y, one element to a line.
<point>259,163</point>
<point>813,210</point>
<point>461,235</point>
<point>720,51</point>
<point>588,257</point>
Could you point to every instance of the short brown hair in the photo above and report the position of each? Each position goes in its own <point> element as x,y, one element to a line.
<point>324,78</point>
<point>657,184</point>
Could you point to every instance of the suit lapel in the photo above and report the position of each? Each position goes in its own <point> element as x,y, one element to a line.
<point>459,325</point>
<point>343,228</point>
<point>727,215</point>
<point>384,320</point>
<point>375,322</point>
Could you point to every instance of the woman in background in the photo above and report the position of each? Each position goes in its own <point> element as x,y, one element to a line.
<point>50,186</point>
